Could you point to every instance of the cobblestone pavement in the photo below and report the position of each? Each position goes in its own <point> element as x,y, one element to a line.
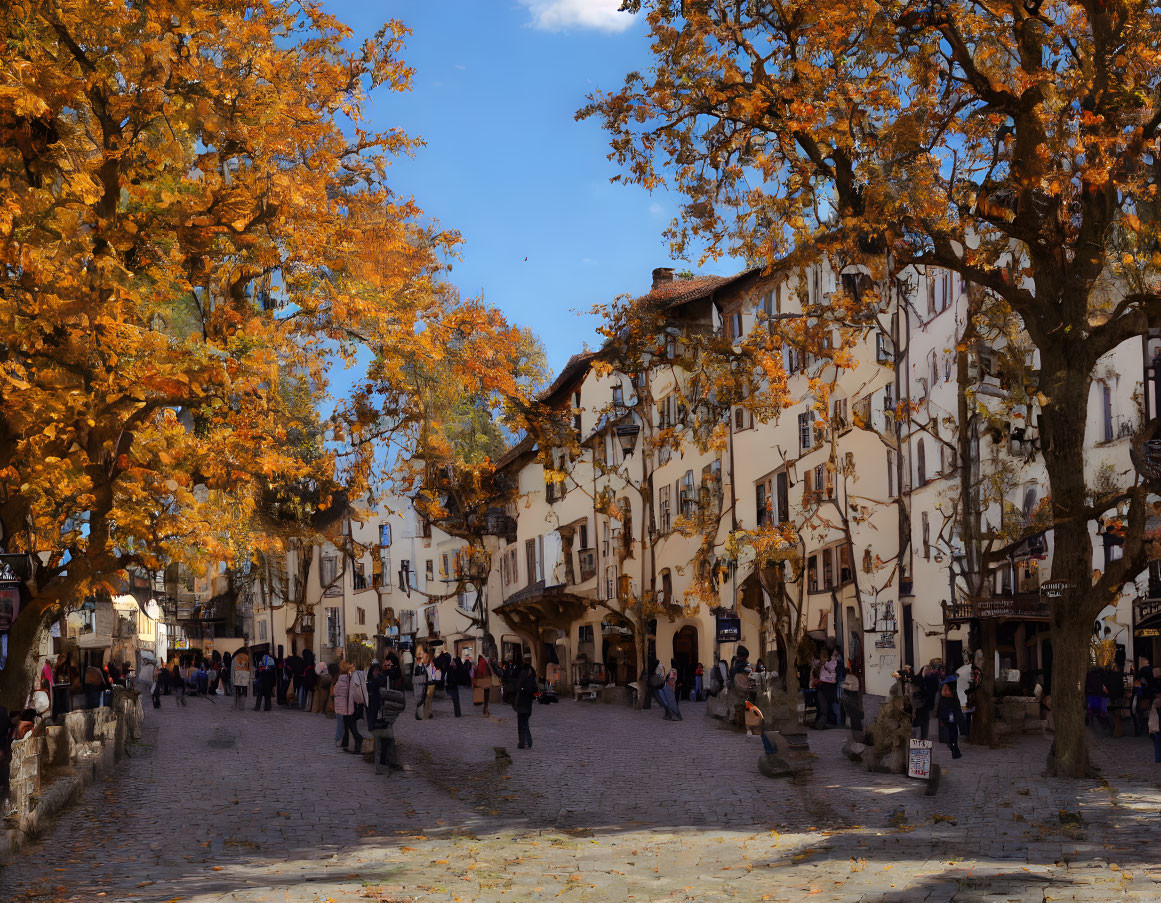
<point>220,806</point>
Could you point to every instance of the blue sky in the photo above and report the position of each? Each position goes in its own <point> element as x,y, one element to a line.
<point>496,86</point>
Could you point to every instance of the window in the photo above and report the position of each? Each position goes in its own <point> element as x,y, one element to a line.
<point>846,570</point>
<point>539,557</point>
<point>666,587</point>
<point>618,395</point>
<point>670,348</point>
<point>812,573</point>
<point>329,570</point>
<point>606,540</point>
<point>763,503</point>
<point>839,414</point>
<point>361,614</point>
<point>735,327</point>
<point>925,527</point>
<point>921,463</point>
<point>584,634</point>
<point>429,570</point>
<point>610,582</point>
<point>793,362</point>
<point>740,418</point>
<point>262,631</point>
<point>806,430</point>
<point>358,575</point>
<point>584,535</point>
<point>444,570</point>
<point>862,411</point>
<point>688,499</point>
<point>530,559</point>
<point>782,487</point>
<point>384,534</point>
<point>1107,409</point>
<point>827,569</point>
<point>884,348</point>
<point>334,631</point>
<point>665,512</point>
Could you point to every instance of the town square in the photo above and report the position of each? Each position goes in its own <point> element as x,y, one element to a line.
<point>590,449</point>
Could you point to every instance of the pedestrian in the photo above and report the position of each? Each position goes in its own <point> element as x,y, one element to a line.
<point>384,705</point>
<point>240,675</point>
<point>852,702</point>
<point>698,683</point>
<point>950,714</point>
<point>454,680</point>
<point>1154,725</point>
<point>670,693</point>
<point>322,688</point>
<point>482,683</point>
<point>419,684</point>
<point>177,681</point>
<point>227,673</point>
<point>827,681</point>
<point>434,677</point>
<point>656,685</point>
<point>309,681</point>
<point>343,705</point>
<point>923,700</point>
<point>267,676</point>
<point>94,686</point>
<point>525,696</point>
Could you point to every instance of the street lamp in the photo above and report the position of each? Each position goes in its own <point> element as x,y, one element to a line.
<point>627,437</point>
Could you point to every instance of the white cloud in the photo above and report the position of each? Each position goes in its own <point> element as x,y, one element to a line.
<point>557,15</point>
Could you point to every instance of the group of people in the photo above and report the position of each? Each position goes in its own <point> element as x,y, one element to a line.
<point>949,695</point>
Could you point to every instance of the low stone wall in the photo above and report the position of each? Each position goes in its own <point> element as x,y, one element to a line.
<point>53,764</point>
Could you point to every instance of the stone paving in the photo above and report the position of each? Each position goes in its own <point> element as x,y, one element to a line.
<point>221,806</point>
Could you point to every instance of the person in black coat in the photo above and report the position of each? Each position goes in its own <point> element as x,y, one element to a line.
<point>525,696</point>
<point>950,714</point>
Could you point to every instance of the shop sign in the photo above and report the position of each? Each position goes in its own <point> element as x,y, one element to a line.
<point>729,630</point>
<point>9,606</point>
<point>1148,632</point>
<point>1147,608</point>
<point>1055,589</point>
<point>919,759</point>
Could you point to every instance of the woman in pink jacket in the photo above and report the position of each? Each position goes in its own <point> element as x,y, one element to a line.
<point>350,703</point>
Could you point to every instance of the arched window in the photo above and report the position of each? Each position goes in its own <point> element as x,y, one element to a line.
<point>921,463</point>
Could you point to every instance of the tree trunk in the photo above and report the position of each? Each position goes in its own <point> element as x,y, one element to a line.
<point>23,646</point>
<point>1068,757</point>
<point>984,719</point>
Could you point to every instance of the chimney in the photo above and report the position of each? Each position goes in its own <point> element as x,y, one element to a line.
<point>662,275</point>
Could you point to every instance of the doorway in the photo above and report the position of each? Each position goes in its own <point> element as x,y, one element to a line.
<point>685,657</point>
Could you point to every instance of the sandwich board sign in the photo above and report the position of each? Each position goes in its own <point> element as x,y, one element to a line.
<point>919,759</point>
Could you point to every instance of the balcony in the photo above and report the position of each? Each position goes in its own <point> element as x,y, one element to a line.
<point>1023,606</point>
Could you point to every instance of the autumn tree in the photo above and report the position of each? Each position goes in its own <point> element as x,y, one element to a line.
<point>1013,144</point>
<point>190,198</point>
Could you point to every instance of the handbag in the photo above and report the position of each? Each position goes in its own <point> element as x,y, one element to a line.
<point>478,695</point>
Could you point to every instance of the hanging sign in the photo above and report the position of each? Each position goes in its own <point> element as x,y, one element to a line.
<point>729,630</point>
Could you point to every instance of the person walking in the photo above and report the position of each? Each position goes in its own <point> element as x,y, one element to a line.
<point>228,673</point>
<point>308,681</point>
<point>827,681</point>
<point>950,714</point>
<point>669,691</point>
<point>455,680</point>
<point>925,693</point>
<point>343,707</point>
<point>419,684</point>
<point>322,689</point>
<point>482,681</point>
<point>264,685</point>
<point>525,696</point>
<point>655,686</point>
<point>240,675</point>
<point>1153,722</point>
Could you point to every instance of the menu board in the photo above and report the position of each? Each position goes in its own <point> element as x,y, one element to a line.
<point>919,759</point>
